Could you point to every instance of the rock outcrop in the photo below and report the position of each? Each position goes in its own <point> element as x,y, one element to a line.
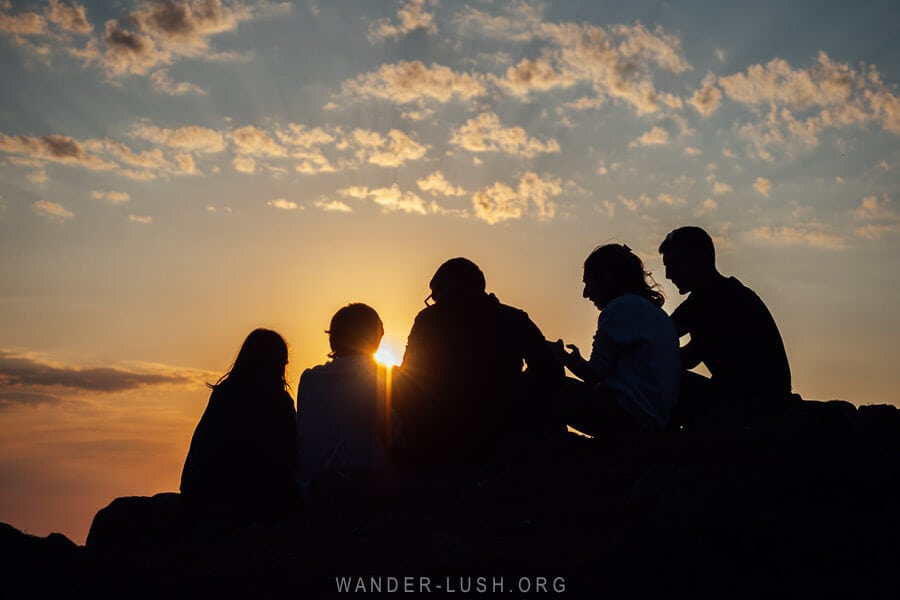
<point>801,504</point>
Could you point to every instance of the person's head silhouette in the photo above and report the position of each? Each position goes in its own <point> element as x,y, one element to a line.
<point>355,329</point>
<point>260,361</point>
<point>690,258</point>
<point>457,276</point>
<point>613,270</point>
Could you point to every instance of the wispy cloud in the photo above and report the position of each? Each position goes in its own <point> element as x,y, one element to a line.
<point>142,219</point>
<point>333,205</point>
<point>814,236</point>
<point>52,210</point>
<point>111,196</point>
<point>26,379</point>
<point>192,137</point>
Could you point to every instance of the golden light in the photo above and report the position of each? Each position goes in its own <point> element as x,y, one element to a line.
<point>386,356</point>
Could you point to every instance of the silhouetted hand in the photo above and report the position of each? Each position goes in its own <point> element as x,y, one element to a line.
<point>567,358</point>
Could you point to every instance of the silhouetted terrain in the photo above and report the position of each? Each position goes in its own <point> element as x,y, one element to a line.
<point>803,505</point>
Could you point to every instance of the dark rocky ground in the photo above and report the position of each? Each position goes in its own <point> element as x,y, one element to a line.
<point>803,504</point>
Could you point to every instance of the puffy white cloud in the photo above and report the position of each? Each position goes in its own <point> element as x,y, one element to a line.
<point>69,17</point>
<point>407,82</point>
<point>706,99</point>
<point>656,136</point>
<point>533,195</point>
<point>485,133</point>
<point>244,164</point>
<point>398,149</point>
<point>762,185</point>
<point>256,142</point>
<point>437,185</point>
<point>412,15</point>
<point>52,210</point>
<point>283,204</point>
<point>392,199</point>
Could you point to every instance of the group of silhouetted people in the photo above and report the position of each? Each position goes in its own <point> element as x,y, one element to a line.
<point>476,370</point>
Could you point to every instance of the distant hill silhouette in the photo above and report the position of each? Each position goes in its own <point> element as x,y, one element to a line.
<point>801,504</point>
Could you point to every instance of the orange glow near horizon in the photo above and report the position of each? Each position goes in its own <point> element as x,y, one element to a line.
<point>386,356</point>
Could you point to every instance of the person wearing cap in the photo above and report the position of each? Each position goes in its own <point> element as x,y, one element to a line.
<point>731,331</point>
<point>462,382</point>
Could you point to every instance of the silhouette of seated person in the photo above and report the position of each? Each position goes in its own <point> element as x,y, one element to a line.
<point>463,381</point>
<point>241,459</point>
<point>341,421</point>
<point>631,380</point>
<point>731,332</point>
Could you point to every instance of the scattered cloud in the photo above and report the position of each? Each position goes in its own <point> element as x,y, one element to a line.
<point>877,218</point>
<point>244,164</point>
<point>407,82</point>
<point>54,148</point>
<point>192,138</point>
<point>256,142</point>
<point>392,199</point>
<point>707,206</point>
<point>396,150</point>
<point>411,16</point>
<point>333,205</point>
<point>720,188</point>
<point>283,204</point>
<point>762,185</point>
<point>657,136</point>
<point>52,210</point>
<point>485,133</point>
<point>533,195</point>
<point>437,185</point>
<point>162,82</point>
<point>691,151</point>
<point>706,99</point>
<point>813,236</point>
<point>539,75</point>
<point>144,219</point>
<point>111,196</point>
<point>69,17</point>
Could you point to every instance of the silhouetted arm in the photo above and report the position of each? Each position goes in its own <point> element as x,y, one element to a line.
<point>573,361</point>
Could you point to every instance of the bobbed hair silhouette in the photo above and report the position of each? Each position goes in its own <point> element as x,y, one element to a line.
<point>355,329</point>
<point>260,361</point>
<point>622,272</point>
<point>457,276</point>
<point>690,240</point>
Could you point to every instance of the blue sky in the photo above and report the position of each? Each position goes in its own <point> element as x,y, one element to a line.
<point>173,174</point>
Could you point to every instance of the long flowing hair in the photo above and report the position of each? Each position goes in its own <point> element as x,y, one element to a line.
<point>260,361</point>
<point>624,272</point>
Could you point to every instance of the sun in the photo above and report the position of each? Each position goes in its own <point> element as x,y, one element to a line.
<point>386,356</point>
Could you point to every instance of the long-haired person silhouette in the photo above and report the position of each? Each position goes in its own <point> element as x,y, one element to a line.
<point>241,460</point>
<point>631,380</point>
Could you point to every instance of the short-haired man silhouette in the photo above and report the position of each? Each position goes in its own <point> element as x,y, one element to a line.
<point>732,332</point>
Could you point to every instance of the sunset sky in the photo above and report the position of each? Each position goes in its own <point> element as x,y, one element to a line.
<point>174,174</point>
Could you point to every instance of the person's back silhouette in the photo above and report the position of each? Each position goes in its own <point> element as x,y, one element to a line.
<point>461,384</point>
<point>732,331</point>
<point>341,421</point>
<point>241,459</point>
